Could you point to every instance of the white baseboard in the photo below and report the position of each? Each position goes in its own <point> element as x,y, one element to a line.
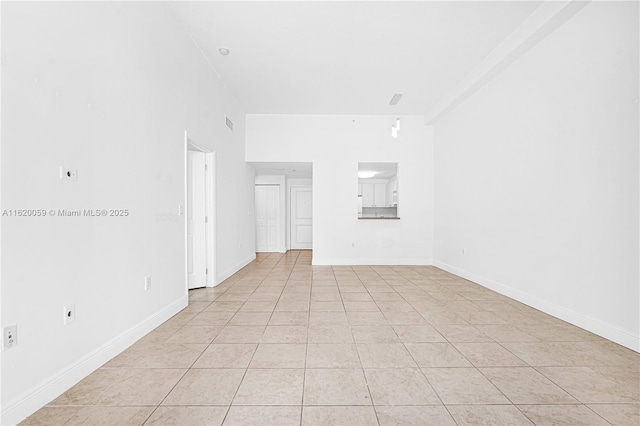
<point>375,262</point>
<point>592,325</point>
<point>235,268</point>
<point>34,399</point>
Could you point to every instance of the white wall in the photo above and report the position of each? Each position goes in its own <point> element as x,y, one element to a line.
<point>537,176</point>
<point>335,145</point>
<point>107,89</point>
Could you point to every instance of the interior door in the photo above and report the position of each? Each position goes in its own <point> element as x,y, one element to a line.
<point>267,218</point>
<point>196,212</point>
<point>301,231</point>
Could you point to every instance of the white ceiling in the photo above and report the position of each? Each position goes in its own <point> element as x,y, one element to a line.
<point>333,57</point>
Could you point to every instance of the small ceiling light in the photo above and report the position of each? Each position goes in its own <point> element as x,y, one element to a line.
<point>395,99</point>
<point>365,174</point>
<point>223,51</point>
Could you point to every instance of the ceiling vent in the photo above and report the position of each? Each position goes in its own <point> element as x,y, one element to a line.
<point>229,123</point>
<point>395,99</point>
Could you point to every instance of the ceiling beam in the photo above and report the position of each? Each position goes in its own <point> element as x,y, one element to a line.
<point>542,22</point>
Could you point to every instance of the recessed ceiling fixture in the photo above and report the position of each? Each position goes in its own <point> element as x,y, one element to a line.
<point>365,174</point>
<point>223,51</point>
<point>395,99</point>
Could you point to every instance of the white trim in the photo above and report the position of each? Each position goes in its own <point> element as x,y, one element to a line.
<point>226,274</point>
<point>595,326</point>
<point>34,399</point>
<point>374,262</point>
<point>210,209</point>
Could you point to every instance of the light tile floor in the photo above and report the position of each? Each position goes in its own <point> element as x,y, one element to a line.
<point>282,342</point>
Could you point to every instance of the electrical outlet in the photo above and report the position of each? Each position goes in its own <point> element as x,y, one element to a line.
<point>69,313</point>
<point>9,337</point>
<point>147,282</point>
<point>68,174</point>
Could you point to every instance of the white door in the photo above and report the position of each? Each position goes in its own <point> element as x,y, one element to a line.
<point>301,218</point>
<point>196,211</point>
<point>267,218</point>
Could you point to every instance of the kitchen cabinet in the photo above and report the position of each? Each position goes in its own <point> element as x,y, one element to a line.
<point>374,195</point>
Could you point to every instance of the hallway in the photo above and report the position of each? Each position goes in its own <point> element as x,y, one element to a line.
<point>284,342</point>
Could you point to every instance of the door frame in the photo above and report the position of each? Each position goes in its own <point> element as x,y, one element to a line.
<point>290,212</point>
<point>210,210</point>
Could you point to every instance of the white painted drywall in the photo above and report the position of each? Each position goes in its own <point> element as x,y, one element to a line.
<point>335,145</point>
<point>536,176</point>
<point>107,89</point>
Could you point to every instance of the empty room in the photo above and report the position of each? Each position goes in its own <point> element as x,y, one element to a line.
<point>320,213</point>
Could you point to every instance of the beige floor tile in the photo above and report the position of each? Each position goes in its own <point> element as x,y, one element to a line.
<point>108,416</point>
<point>325,297</point>
<point>385,355</point>
<point>205,387</point>
<point>327,319</point>
<point>361,306</point>
<point>618,414</point>
<point>289,318</point>
<point>488,355</point>
<point>374,334</point>
<point>414,415</point>
<point>335,387</point>
<point>506,333</point>
<point>418,334</point>
<point>91,387</point>
<point>463,386</point>
<point>261,306</point>
<point>437,355</point>
<point>591,385</point>
<point>356,297</point>
<point>158,356</point>
<point>336,415</point>
<point>250,318</point>
<point>394,306</point>
<point>263,415</point>
<point>187,416</point>
<point>240,334</point>
<point>50,416</point>
<point>462,333</point>
<point>270,387</point>
<point>524,385</point>
<point>285,334</point>
<point>145,386</point>
<point>288,305</point>
<point>226,355</point>
<point>405,318</point>
<point>439,317</point>
<point>473,415</point>
<point>326,306</point>
<point>578,415</point>
<point>367,318</point>
<point>333,355</point>
<point>279,355</point>
<point>400,386</point>
<point>195,334</point>
<point>330,334</point>
<point>211,318</point>
<point>224,306</point>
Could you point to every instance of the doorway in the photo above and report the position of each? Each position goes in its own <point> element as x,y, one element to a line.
<point>200,215</point>
<point>267,218</point>
<point>301,218</point>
